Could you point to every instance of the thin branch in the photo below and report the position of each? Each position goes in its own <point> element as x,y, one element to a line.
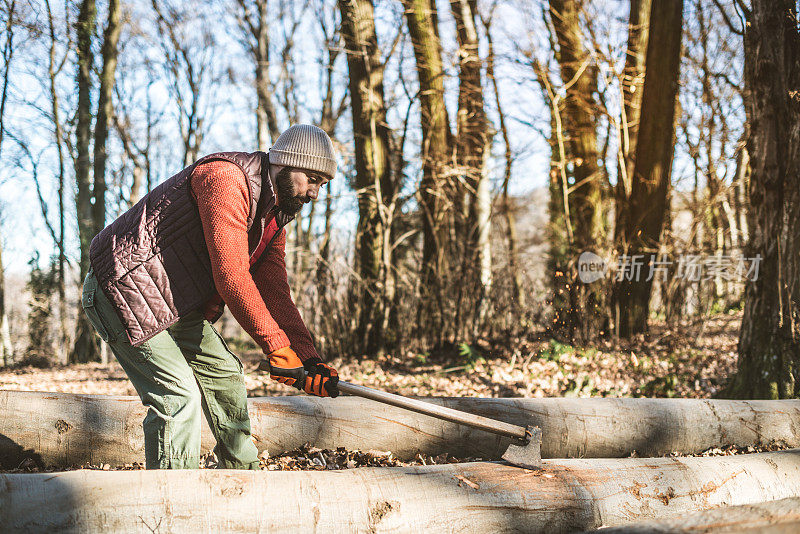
<point>727,19</point>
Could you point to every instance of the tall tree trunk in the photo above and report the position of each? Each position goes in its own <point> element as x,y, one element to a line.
<point>8,53</point>
<point>58,130</point>
<point>633,81</point>
<point>559,228</point>
<point>631,87</point>
<point>148,164</point>
<point>267,120</point>
<point>323,268</point>
<point>769,342</point>
<point>306,235</point>
<point>741,190</point>
<point>374,185</point>
<point>473,142</point>
<point>710,137</point>
<point>5,333</point>
<point>105,110</point>
<point>654,151</point>
<point>258,26</point>
<point>437,190</point>
<point>507,205</point>
<point>86,347</point>
<point>587,313</point>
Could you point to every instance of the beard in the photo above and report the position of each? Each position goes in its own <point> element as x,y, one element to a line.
<point>288,201</point>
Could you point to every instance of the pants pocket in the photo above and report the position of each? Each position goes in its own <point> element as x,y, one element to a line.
<point>227,348</point>
<point>90,309</point>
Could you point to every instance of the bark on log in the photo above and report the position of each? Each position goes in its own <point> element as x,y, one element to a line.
<point>65,429</point>
<point>773,517</point>
<point>564,496</point>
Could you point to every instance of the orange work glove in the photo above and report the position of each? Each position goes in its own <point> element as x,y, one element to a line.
<point>285,367</point>
<point>322,380</point>
<point>312,376</point>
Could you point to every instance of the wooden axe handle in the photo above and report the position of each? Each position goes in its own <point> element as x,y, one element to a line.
<point>442,412</point>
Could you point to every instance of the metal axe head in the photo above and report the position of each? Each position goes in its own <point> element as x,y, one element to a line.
<point>526,453</point>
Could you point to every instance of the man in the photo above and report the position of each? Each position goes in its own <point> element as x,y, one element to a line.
<point>211,235</point>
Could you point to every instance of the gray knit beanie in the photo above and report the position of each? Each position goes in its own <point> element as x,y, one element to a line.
<point>305,147</point>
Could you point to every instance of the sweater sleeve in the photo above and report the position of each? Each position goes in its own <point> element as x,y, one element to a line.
<point>220,188</point>
<point>273,284</point>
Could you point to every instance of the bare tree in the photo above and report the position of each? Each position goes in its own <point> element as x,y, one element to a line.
<point>374,179</point>
<point>8,53</point>
<point>5,333</point>
<point>559,228</point>
<point>254,21</point>
<point>105,111</point>
<point>54,68</point>
<point>291,17</point>
<point>473,143</point>
<point>437,191</point>
<point>648,201</point>
<point>631,88</point>
<point>769,343</point>
<point>139,148</point>
<point>585,317</point>
<point>331,108</point>
<point>86,346</point>
<point>189,60</point>
<point>91,216</point>
<point>506,202</point>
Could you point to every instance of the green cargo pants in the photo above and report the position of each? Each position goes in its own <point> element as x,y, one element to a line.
<point>180,371</point>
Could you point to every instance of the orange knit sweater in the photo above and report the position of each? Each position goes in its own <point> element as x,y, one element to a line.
<point>262,302</point>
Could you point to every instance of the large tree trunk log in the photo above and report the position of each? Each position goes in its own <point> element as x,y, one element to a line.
<point>564,496</point>
<point>773,517</point>
<point>65,429</point>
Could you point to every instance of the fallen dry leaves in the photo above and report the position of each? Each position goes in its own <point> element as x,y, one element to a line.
<point>690,362</point>
<point>313,458</point>
<point>308,458</point>
<point>305,458</point>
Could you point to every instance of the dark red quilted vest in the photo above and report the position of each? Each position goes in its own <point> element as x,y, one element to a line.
<point>152,262</point>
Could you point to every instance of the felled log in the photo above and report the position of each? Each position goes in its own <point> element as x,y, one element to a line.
<point>65,429</point>
<point>564,496</point>
<point>772,517</point>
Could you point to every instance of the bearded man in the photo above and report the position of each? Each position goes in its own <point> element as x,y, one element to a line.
<point>212,235</point>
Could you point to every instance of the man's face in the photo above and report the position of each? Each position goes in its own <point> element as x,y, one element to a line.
<point>295,187</point>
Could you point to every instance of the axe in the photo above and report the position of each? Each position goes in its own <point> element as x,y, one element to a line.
<point>524,451</point>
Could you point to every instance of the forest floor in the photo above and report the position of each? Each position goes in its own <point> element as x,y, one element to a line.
<point>692,361</point>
